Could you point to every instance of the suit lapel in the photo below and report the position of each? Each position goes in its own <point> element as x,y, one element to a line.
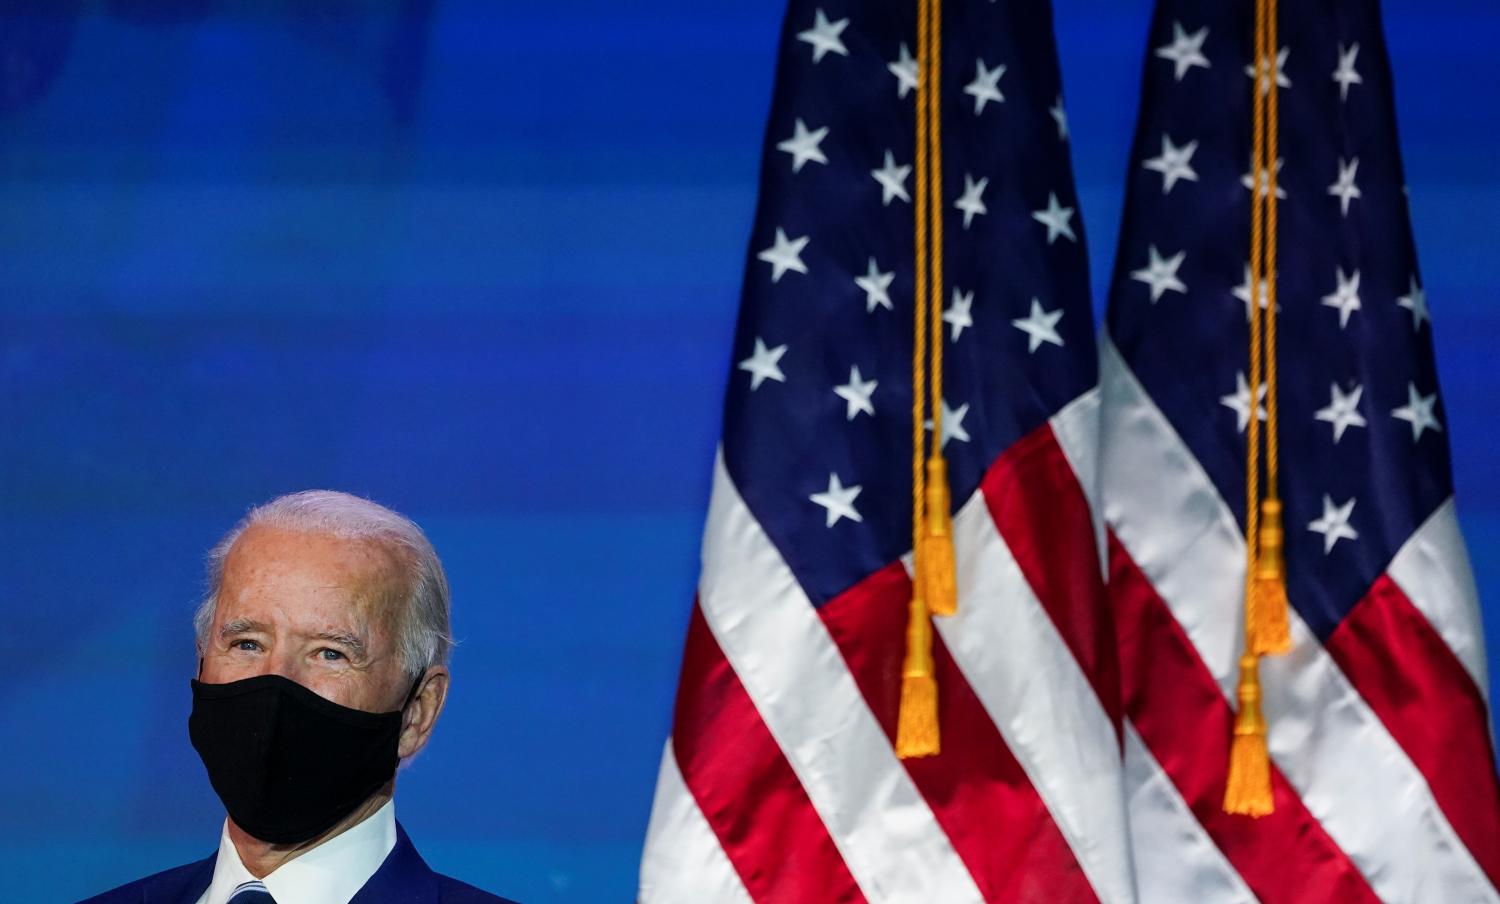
<point>404,877</point>
<point>182,886</point>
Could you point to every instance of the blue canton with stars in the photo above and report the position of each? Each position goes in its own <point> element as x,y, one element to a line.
<point>1364,452</point>
<point>817,423</point>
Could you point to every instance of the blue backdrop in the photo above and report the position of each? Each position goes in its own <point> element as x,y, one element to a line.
<point>478,261</point>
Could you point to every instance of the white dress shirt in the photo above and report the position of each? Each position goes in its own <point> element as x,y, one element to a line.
<point>331,873</point>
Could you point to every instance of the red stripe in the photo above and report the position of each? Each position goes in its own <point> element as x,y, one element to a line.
<point>979,793</point>
<point>1430,705</point>
<point>745,786</point>
<point>1174,703</point>
<point>1041,512</point>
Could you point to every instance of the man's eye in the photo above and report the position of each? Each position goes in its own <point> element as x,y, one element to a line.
<point>330,655</point>
<point>248,646</point>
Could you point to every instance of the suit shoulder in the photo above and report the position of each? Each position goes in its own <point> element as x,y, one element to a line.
<point>172,883</point>
<point>452,891</point>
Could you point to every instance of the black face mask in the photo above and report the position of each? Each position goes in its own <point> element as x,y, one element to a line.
<point>287,763</point>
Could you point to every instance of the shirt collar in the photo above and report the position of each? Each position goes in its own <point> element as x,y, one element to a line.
<point>331,873</point>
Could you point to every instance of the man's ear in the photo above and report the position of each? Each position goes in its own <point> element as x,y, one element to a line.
<point>421,714</point>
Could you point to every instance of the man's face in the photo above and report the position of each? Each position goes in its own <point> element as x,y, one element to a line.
<point>312,608</point>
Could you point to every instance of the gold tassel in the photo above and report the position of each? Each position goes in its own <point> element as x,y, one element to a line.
<point>917,719</point>
<point>1248,791</point>
<point>938,573</point>
<point>1266,615</point>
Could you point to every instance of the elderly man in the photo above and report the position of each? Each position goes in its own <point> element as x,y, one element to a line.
<point>323,644</point>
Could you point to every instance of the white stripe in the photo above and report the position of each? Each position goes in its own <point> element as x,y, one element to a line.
<point>1432,569</point>
<point>1044,706</point>
<point>683,862</point>
<point>1175,860</point>
<point>1163,508</point>
<point>1350,773</point>
<point>1076,427</point>
<point>797,678</point>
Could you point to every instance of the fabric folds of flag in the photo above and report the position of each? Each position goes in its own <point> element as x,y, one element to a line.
<point>1382,778</point>
<point>780,781</point>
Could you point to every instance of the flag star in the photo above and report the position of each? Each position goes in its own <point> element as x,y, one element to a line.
<point>1242,292</point>
<point>1060,116</point>
<point>1161,274</point>
<point>1249,181</point>
<point>803,146</point>
<point>1334,525</point>
<point>1342,411</point>
<point>1056,218</point>
<point>1174,163</point>
<point>857,394</point>
<point>1418,412</point>
<point>824,36</point>
<point>1345,298</point>
<point>1039,326</point>
<point>1415,300</point>
<point>1239,401</point>
<point>1280,69</point>
<point>986,86</point>
<point>953,424</point>
<point>838,501</point>
<point>1344,188</point>
<point>1346,74</point>
<point>1186,50</point>
<point>764,364</point>
<point>905,71</point>
<point>972,201</point>
<point>785,255</point>
<point>877,288</point>
<point>892,179</point>
<point>959,313</point>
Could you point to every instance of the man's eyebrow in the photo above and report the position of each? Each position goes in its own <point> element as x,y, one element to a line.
<point>237,626</point>
<point>354,642</point>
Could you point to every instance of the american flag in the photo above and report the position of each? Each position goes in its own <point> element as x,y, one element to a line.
<point>1383,775</point>
<point>780,782</point>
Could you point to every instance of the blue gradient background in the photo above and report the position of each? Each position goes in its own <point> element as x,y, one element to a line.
<point>478,261</point>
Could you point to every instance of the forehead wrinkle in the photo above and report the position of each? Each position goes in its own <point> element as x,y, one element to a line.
<point>364,575</point>
<point>379,590</point>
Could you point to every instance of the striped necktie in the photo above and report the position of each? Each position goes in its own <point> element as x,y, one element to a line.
<point>251,893</point>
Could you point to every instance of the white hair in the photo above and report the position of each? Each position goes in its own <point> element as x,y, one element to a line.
<point>423,633</point>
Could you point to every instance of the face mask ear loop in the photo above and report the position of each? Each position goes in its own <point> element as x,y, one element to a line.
<point>415,686</point>
<point>199,676</point>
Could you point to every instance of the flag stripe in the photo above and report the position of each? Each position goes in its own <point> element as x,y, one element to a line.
<point>1035,500</point>
<point>1185,541</point>
<point>1318,725</point>
<point>1018,664</point>
<point>978,791</point>
<point>1180,862</point>
<point>1428,702</point>
<point>1177,708</point>
<point>1432,569</point>
<point>1076,429</point>
<point>683,862</point>
<point>752,799</point>
<point>782,653</point>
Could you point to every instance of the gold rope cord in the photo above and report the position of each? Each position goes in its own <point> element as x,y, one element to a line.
<point>938,570</point>
<point>1268,605</point>
<point>917,720</point>
<point>1248,786</point>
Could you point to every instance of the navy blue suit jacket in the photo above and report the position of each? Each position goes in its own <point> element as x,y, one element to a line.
<point>404,878</point>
